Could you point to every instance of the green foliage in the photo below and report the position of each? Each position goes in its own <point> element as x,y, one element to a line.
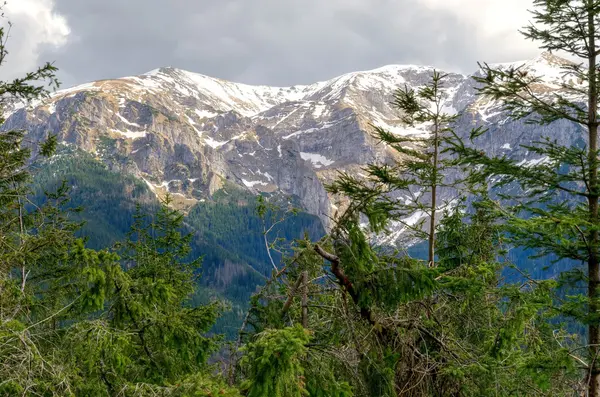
<point>552,206</point>
<point>226,231</point>
<point>323,378</point>
<point>107,199</point>
<point>392,192</point>
<point>77,321</point>
<point>273,362</point>
<point>229,231</point>
<point>143,330</point>
<point>394,326</point>
<point>82,324</point>
<point>233,221</point>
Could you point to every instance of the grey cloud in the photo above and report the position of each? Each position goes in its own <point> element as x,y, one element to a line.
<point>275,42</point>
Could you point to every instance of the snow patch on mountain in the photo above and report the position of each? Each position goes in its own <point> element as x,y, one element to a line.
<point>124,120</point>
<point>205,113</point>
<point>93,86</point>
<point>214,143</point>
<point>130,134</point>
<point>251,184</point>
<point>533,162</point>
<point>292,139</point>
<point>316,159</point>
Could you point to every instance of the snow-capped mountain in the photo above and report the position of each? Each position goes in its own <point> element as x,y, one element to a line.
<point>188,133</point>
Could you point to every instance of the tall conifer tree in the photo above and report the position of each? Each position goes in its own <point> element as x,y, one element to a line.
<point>412,185</point>
<point>557,211</point>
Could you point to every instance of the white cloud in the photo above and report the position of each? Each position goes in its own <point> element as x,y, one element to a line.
<point>276,42</point>
<point>497,24</point>
<point>34,24</point>
<point>492,17</point>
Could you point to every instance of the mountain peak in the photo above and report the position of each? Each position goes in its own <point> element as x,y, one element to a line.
<point>551,59</point>
<point>191,134</point>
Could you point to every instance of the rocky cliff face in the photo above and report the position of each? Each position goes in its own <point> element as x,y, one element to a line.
<point>187,133</point>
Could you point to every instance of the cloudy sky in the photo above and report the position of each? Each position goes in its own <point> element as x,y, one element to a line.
<point>274,42</point>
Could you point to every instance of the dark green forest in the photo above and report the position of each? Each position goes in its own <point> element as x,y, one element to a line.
<point>106,290</point>
<point>227,231</point>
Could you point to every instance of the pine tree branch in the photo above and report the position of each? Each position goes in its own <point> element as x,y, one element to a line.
<point>523,100</point>
<point>53,314</point>
<point>304,301</point>
<point>343,280</point>
<point>292,293</point>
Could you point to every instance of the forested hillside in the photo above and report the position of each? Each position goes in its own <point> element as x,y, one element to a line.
<point>442,267</point>
<point>227,230</point>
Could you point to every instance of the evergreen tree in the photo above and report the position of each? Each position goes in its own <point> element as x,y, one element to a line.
<point>410,186</point>
<point>274,363</point>
<point>376,333</point>
<point>557,210</point>
<point>77,321</point>
<point>141,330</point>
<point>422,166</point>
<point>31,238</point>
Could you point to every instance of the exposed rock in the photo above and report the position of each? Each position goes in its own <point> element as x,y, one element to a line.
<point>187,133</point>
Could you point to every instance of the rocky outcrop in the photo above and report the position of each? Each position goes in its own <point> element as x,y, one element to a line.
<point>187,133</point>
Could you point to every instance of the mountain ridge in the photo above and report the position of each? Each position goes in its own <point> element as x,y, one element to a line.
<point>188,133</point>
<point>544,57</point>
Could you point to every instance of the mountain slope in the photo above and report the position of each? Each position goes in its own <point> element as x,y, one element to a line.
<point>190,134</point>
<point>227,231</point>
